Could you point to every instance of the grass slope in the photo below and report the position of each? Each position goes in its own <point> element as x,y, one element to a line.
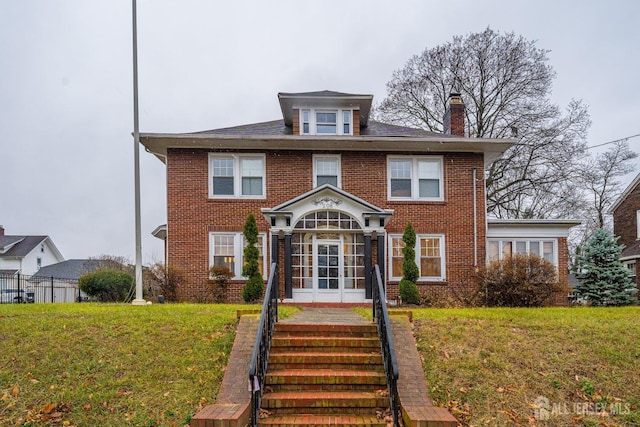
<point>491,366</point>
<point>111,365</point>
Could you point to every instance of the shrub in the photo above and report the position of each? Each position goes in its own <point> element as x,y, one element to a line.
<point>409,292</point>
<point>107,285</point>
<point>521,280</point>
<point>165,279</point>
<point>220,275</point>
<point>254,287</point>
<point>407,288</point>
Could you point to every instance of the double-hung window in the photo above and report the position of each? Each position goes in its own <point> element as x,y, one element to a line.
<point>227,249</point>
<point>429,256</point>
<point>236,175</point>
<point>415,178</point>
<point>326,170</point>
<point>326,122</point>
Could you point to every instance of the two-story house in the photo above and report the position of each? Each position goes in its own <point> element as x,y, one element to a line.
<point>626,225</point>
<point>26,254</point>
<point>333,192</point>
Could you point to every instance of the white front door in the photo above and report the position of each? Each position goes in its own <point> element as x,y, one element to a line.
<point>328,283</point>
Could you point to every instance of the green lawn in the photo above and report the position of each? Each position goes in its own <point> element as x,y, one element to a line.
<point>111,365</point>
<point>118,365</point>
<point>491,366</point>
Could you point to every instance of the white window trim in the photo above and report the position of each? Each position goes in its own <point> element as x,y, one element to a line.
<point>312,120</point>
<point>237,175</point>
<point>528,249</point>
<point>335,157</point>
<point>443,263</point>
<point>638,224</point>
<point>414,178</point>
<point>238,252</point>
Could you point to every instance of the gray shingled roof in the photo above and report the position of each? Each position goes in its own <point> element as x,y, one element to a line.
<point>25,245</point>
<point>319,93</point>
<point>632,250</point>
<point>278,128</point>
<point>71,269</point>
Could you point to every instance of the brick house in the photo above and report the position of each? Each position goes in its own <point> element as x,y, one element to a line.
<point>332,192</point>
<point>626,225</point>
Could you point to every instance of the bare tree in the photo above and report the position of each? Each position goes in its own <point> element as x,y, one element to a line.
<point>505,82</point>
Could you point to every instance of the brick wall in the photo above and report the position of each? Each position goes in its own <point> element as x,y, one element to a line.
<point>625,219</point>
<point>192,215</point>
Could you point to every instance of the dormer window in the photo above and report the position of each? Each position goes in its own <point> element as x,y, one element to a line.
<point>325,122</point>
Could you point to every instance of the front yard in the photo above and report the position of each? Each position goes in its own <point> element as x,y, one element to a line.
<point>118,365</point>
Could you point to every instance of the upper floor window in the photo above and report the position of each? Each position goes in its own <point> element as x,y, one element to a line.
<point>638,223</point>
<point>429,256</point>
<point>325,122</point>
<point>236,175</point>
<point>415,178</point>
<point>326,170</point>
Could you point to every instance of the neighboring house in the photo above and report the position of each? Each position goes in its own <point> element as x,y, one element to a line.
<point>626,225</point>
<point>333,192</point>
<point>26,254</point>
<point>59,282</point>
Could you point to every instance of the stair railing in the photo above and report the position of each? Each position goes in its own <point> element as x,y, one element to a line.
<point>260,357</point>
<point>381,316</point>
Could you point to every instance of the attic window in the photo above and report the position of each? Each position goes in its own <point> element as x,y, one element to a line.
<point>325,122</point>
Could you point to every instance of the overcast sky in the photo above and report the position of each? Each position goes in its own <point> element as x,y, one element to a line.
<point>66,150</point>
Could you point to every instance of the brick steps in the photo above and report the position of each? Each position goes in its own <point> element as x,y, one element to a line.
<point>322,421</point>
<point>324,375</point>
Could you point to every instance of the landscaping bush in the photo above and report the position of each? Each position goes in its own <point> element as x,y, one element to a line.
<point>219,279</point>
<point>254,287</point>
<point>407,288</point>
<point>521,280</point>
<point>107,285</point>
<point>166,280</point>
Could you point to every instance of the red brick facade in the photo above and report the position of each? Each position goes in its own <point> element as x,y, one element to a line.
<point>192,214</point>
<point>625,224</point>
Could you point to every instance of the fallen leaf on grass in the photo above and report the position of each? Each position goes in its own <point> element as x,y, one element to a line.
<point>15,391</point>
<point>49,408</point>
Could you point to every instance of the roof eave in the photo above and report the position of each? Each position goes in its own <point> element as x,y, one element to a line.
<point>158,143</point>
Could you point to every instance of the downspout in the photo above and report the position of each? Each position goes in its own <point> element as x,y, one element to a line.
<point>475,221</point>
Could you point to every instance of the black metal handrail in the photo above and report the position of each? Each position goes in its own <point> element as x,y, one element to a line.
<point>260,357</point>
<point>381,316</point>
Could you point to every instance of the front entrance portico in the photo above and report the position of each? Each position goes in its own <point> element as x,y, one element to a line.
<point>327,237</point>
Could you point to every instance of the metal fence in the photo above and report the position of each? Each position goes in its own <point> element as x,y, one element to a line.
<point>22,288</point>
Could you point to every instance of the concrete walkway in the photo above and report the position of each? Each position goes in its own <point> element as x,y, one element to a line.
<point>327,316</point>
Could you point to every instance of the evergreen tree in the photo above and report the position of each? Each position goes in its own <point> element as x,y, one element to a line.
<point>410,273</point>
<point>603,280</point>
<point>254,287</point>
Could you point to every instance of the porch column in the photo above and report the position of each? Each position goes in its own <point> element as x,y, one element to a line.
<point>275,255</point>
<point>381,258</point>
<point>288,288</point>
<point>367,266</point>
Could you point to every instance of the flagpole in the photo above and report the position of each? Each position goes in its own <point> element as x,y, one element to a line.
<point>136,155</point>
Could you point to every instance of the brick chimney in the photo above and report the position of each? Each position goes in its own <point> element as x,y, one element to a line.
<point>453,120</point>
<point>1,230</point>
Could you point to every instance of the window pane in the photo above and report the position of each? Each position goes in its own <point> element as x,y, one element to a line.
<point>327,166</point>
<point>429,188</point>
<point>534,248</point>
<point>430,267</point>
<point>251,186</point>
<point>251,167</point>
<point>222,167</point>
<point>493,249</point>
<point>333,180</point>
<point>430,247</point>
<point>400,169</point>
<point>547,251</point>
<point>521,247</point>
<point>223,251</point>
<point>430,257</point>
<point>330,129</point>
<point>346,122</point>
<point>428,169</point>
<point>223,186</point>
<point>506,249</point>
<point>326,118</point>
<point>400,188</point>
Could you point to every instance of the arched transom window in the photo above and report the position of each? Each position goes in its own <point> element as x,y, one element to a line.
<point>323,220</point>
